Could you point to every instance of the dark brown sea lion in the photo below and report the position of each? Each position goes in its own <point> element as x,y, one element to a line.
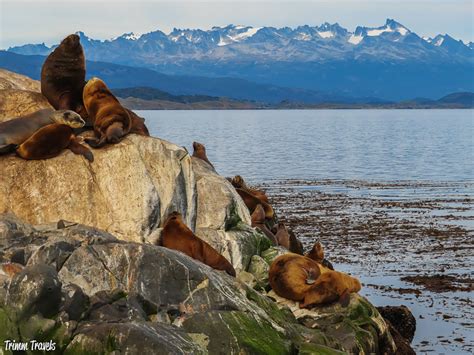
<point>176,235</point>
<point>302,279</point>
<point>239,183</point>
<point>295,244</point>
<point>317,254</point>
<point>111,121</point>
<point>63,76</point>
<point>49,141</point>
<point>258,221</point>
<point>17,130</point>
<point>200,152</point>
<point>252,202</point>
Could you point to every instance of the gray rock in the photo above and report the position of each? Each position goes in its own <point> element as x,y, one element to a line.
<point>35,290</point>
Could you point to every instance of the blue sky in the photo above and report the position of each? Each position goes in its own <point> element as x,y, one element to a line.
<point>39,21</point>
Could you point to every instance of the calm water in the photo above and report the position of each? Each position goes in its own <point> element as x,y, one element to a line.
<point>381,145</point>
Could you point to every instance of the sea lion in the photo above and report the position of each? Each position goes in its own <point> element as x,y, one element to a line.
<point>138,124</point>
<point>252,202</point>
<point>282,236</point>
<point>111,121</point>
<point>18,130</point>
<point>63,76</point>
<point>295,244</point>
<point>176,235</point>
<point>200,152</point>
<point>258,221</point>
<point>302,279</point>
<point>51,140</point>
<point>239,183</point>
<point>317,254</point>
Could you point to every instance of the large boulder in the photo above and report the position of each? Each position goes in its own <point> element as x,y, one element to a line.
<point>129,190</point>
<point>19,95</point>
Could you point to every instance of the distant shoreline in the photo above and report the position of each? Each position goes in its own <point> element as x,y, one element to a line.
<point>227,104</point>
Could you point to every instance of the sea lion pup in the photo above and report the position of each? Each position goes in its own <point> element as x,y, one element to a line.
<point>110,119</point>
<point>282,236</point>
<point>252,202</point>
<point>200,152</point>
<point>302,279</point>
<point>239,183</point>
<point>63,76</point>
<point>18,130</point>
<point>50,141</point>
<point>176,235</point>
<point>258,221</point>
<point>317,254</point>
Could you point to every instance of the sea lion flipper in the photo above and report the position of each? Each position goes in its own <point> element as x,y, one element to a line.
<point>8,148</point>
<point>78,148</point>
<point>95,142</point>
<point>345,298</point>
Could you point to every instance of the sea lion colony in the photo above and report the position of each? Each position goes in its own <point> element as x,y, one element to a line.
<point>310,279</point>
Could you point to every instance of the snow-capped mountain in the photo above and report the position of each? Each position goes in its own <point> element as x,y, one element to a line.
<point>313,57</point>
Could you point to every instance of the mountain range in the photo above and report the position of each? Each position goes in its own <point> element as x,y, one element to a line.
<point>389,62</point>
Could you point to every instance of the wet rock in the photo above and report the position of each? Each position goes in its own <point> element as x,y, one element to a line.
<point>401,319</point>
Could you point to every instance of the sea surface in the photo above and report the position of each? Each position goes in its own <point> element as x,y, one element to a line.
<point>327,144</point>
<point>390,193</point>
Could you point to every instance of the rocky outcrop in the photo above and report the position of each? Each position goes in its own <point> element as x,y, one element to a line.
<point>19,95</point>
<point>128,191</point>
<point>88,291</point>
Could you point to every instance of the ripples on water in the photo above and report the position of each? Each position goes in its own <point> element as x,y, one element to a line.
<point>337,144</point>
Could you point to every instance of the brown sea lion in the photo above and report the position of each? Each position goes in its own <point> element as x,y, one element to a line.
<point>176,235</point>
<point>252,202</point>
<point>302,279</point>
<point>295,244</point>
<point>258,221</point>
<point>138,124</point>
<point>49,141</point>
<point>239,183</point>
<point>63,76</point>
<point>111,121</point>
<point>18,130</point>
<point>317,254</point>
<point>200,152</point>
<point>282,236</point>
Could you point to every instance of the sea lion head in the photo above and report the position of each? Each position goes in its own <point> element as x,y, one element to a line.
<point>173,217</point>
<point>69,118</point>
<point>238,181</point>
<point>316,253</point>
<point>71,42</point>
<point>199,147</point>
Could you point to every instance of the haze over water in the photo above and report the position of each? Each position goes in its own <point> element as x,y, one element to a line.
<point>382,145</point>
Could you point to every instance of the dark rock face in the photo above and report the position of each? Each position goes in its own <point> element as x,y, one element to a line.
<point>401,319</point>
